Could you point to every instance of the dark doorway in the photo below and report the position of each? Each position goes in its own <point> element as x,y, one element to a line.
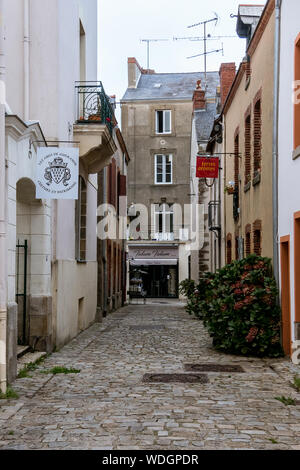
<point>160,281</point>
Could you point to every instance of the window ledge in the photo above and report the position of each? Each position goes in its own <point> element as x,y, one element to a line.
<point>296,153</point>
<point>256,178</point>
<point>81,261</point>
<point>247,187</point>
<point>163,184</point>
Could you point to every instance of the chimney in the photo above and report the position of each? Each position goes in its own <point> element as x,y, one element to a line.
<point>135,71</point>
<point>199,100</point>
<point>227,75</point>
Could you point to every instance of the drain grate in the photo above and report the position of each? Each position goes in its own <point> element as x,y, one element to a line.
<point>212,368</point>
<point>147,327</point>
<point>173,378</point>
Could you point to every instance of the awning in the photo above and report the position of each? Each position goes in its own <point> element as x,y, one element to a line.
<point>153,262</point>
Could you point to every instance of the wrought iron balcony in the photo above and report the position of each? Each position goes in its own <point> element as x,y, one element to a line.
<point>93,105</point>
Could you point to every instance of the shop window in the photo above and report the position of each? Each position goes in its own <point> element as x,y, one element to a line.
<point>163,169</point>
<point>163,122</point>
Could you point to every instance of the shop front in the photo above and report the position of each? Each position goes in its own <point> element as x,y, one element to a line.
<point>156,267</point>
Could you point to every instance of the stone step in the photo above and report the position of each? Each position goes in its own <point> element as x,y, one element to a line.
<point>22,350</point>
<point>28,358</point>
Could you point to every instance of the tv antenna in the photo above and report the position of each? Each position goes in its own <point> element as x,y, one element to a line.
<point>205,38</point>
<point>200,38</point>
<point>148,47</point>
<point>209,52</point>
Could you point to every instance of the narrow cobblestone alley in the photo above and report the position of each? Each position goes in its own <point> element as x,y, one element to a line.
<point>108,406</point>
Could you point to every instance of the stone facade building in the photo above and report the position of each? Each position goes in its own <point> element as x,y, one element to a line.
<point>160,134</point>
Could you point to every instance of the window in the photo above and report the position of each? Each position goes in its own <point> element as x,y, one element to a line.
<point>247,149</point>
<point>236,162</point>
<point>248,239</point>
<point>163,222</point>
<point>257,242</point>
<point>257,138</point>
<point>163,169</point>
<point>229,249</point>
<point>81,206</point>
<point>163,122</point>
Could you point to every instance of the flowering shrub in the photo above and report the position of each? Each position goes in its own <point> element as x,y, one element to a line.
<point>238,307</point>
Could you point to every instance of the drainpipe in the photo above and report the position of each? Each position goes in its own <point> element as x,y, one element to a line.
<point>26,60</point>
<point>3,277</point>
<point>275,139</point>
<point>104,247</point>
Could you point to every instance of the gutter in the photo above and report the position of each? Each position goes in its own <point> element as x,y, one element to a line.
<point>275,139</point>
<point>3,252</point>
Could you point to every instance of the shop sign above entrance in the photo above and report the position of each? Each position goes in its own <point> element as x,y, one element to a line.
<point>141,252</point>
<point>207,167</point>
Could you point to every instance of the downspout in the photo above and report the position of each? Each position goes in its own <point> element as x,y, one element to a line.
<point>104,247</point>
<point>275,139</point>
<point>26,60</point>
<point>3,277</point>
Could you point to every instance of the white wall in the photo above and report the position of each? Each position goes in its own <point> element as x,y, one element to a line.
<point>289,169</point>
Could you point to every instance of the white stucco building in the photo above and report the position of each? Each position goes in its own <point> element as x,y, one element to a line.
<point>289,171</point>
<point>48,56</point>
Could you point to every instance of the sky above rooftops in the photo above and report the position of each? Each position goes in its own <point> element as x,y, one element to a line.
<point>123,23</point>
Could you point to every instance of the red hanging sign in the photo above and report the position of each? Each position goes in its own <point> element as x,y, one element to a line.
<point>207,167</point>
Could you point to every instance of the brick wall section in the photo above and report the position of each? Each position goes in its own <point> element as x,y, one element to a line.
<point>257,136</point>
<point>247,148</point>
<point>227,75</point>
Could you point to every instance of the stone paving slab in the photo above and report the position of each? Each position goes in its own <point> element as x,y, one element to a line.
<point>108,406</point>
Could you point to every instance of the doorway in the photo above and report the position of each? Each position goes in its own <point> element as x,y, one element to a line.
<point>160,281</point>
<point>285,294</point>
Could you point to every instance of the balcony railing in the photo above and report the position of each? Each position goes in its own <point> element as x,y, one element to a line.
<point>177,235</point>
<point>93,105</point>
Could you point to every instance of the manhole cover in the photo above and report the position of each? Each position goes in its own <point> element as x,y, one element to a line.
<point>212,368</point>
<point>171,378</point>
<point>147,327</point>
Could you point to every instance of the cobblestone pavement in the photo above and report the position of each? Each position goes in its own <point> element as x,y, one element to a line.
<point>108,406</point>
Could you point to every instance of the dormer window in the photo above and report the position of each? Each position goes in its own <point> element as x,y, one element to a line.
<point>163,122</point>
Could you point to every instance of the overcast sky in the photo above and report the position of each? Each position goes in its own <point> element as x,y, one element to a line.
<point>123,23</point>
